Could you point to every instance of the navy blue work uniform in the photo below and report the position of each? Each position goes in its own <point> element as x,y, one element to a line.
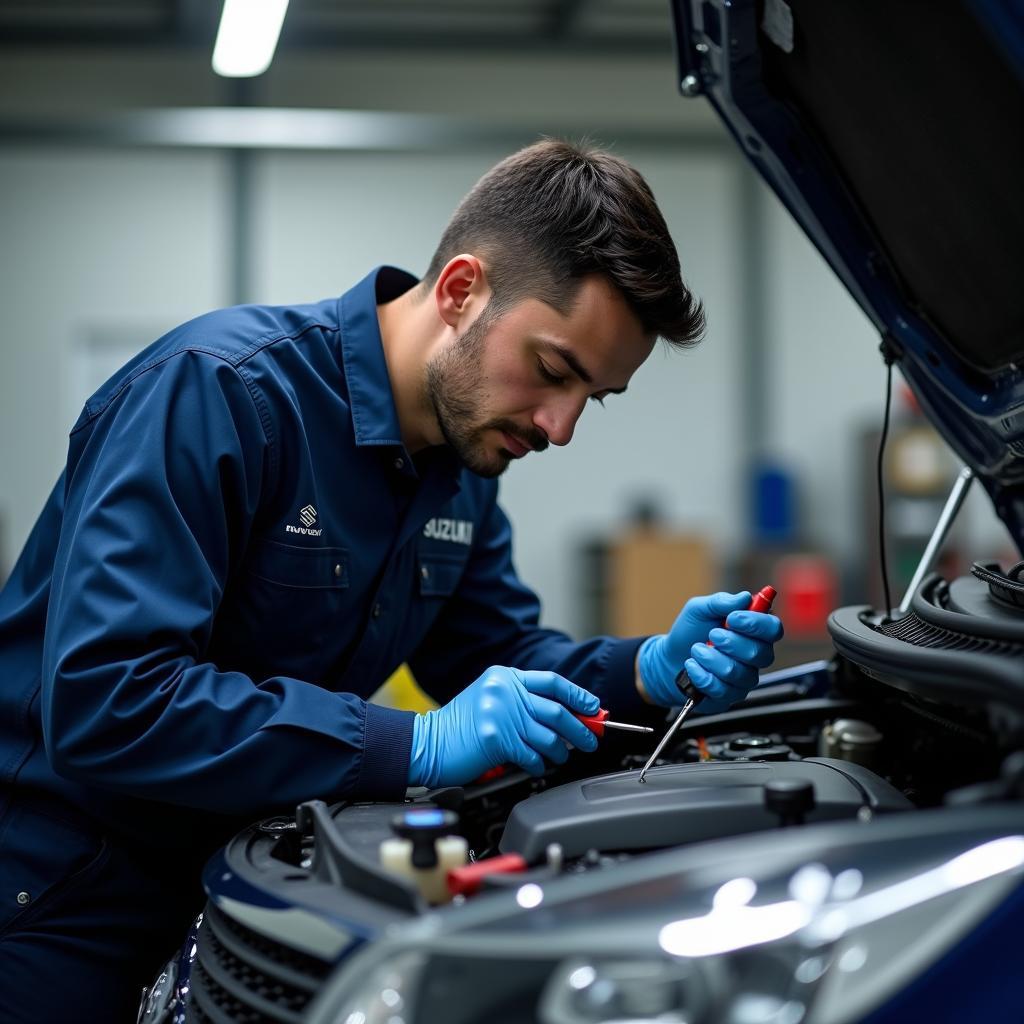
<point>239,551</point>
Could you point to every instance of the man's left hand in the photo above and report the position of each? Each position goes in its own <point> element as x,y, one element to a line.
<point>725,672</point>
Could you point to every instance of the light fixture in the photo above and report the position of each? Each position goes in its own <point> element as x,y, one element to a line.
<point>247,37</point>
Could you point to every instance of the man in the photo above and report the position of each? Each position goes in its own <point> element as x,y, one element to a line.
<point>269,510</point>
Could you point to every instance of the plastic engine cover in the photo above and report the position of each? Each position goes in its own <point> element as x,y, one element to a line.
<point>685,803</point>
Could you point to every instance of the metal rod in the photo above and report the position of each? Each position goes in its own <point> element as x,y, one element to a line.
<point>946,519</point>
<point>625,727</point>
<point>664,740</point>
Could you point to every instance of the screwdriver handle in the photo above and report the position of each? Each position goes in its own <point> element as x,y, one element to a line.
<point>760,602</point>
<point>595,723</point>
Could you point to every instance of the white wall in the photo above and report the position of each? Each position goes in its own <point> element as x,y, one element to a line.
<point>92,240</point>
<point>826,381</point>
<point>119,243</point>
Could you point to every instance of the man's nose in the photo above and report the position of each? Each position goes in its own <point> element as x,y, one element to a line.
<point>558,420</point>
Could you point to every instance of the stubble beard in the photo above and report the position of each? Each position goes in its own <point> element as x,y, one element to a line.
<point>453,385</point>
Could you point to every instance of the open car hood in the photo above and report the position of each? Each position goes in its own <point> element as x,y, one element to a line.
<point>894,134</point>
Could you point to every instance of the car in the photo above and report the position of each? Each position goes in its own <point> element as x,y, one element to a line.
<point>848,843</point>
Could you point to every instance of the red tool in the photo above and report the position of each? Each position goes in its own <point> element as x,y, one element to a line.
<point>595,723</point>
<point>466,880</point>
<point>761,602</point>
<point>599,722</point>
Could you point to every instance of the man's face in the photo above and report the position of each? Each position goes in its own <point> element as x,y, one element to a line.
<point>516,384</point>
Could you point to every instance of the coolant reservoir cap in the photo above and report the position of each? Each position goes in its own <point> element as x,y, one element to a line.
<point>423,818</point>
<point>419,821</point>
<point>424,825</point>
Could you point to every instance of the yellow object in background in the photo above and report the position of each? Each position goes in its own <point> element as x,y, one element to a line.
<point>401,691</point>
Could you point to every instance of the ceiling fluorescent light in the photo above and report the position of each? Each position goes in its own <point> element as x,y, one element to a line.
<point>247,37</point>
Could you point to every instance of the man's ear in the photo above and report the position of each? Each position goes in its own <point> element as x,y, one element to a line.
<point>461,290</point>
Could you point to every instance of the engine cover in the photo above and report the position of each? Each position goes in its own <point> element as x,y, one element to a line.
<point>685,803</point>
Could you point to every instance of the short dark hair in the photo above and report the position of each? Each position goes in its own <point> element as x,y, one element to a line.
<point>555,212</point>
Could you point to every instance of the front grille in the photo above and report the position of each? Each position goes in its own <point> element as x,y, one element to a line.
<point>913,630</point>
<point>241,975</point>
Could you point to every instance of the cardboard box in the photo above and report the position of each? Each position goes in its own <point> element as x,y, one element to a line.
<point>651,575</point>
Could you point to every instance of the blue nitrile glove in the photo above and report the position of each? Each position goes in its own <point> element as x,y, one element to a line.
<point>724,673</point>
<point>506,716</point>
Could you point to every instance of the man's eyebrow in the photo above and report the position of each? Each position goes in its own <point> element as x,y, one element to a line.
<point>570,360</point>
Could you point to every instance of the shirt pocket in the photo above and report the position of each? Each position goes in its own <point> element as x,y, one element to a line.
<point>440,574</point>
<point>288,612</point>
<point>287,565</point>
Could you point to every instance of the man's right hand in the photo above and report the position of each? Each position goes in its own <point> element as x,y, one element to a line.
<point>507,716</point>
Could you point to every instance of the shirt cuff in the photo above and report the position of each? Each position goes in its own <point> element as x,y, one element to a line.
<point>623,697</point>
<point>387,744</point>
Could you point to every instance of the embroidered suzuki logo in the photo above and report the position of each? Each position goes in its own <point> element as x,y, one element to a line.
<point>458,531</point>
<point>307,516</point>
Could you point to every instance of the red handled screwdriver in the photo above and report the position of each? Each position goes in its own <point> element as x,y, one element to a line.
<point>595,723</point>
<point>599,722</point>
<point>761,602</point>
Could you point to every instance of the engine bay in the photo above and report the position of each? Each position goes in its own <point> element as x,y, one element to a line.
<point>876,737</point>
<point>858,750</point>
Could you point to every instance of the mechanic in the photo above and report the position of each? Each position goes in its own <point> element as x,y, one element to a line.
<point>268,511</point>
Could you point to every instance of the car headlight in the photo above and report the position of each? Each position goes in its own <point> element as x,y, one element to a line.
<point>654,941</point>
<point>581,991</point>
<point>164,998</point>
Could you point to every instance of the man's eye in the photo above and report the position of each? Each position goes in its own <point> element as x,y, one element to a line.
<point>551,378</point>
<point>599,399</point>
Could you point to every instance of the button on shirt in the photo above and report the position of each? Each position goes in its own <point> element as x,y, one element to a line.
<point>239,551</point>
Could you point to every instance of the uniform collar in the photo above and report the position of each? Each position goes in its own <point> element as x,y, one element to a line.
<point>374,416</point>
